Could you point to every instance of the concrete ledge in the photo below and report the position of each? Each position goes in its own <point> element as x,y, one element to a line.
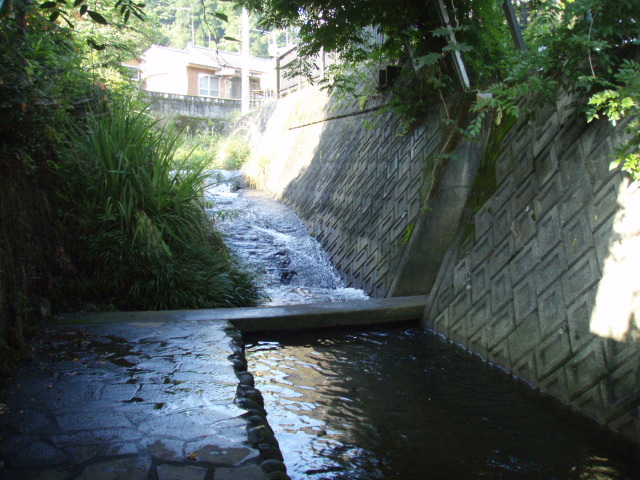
<point>281,318</point>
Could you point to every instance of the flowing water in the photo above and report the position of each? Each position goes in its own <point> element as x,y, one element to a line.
<point>271,240</point>
<point>393,403</point>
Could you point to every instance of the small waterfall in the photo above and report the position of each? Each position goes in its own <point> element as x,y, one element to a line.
<point>269,238</point>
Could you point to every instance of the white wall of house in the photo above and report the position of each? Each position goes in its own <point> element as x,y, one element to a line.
<point>164,70</point>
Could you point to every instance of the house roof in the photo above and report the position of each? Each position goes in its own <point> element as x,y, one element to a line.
<point>209,58</point>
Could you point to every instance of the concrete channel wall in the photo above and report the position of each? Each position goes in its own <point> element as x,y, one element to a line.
<point>529,245</point>
<point>354,174</point>
<point>192,106</point>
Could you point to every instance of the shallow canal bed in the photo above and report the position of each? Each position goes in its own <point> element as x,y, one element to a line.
<point>404,403</point>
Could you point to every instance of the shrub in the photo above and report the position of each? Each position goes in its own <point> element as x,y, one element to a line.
<point>145,240</point>
<point>199,148</point>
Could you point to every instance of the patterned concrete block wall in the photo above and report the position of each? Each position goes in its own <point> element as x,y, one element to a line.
<point>548,283</point>
<point>351,174</point>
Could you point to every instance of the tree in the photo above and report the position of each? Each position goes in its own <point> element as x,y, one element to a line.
<point>205,23</point>
<point>578,39</point>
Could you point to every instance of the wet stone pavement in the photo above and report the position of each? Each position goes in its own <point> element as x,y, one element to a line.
<point>136,401</point>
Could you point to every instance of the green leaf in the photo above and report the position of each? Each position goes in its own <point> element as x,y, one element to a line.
<point>457,47</point>
<point>627,102</point>
<point>54,16</point>
<point>139,15</point>
<point>48,5</point>
<point>83,9</point>
<point>96,46</point>
<point>231,39</point>
<point>427,60</point>
<point>96,17</point>
<point>77,3</point>
<point>440,32</point>
<point>222,16</point>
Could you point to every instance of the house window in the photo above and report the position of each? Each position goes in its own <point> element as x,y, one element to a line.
<point>236,88</point>
<point>208,85</point>
<point>134,72</point>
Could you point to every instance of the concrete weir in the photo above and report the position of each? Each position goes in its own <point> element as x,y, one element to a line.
<point>278,318</point>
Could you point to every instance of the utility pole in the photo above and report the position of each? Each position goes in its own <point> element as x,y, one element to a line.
<point>193,35</point>
<point>245,62</point>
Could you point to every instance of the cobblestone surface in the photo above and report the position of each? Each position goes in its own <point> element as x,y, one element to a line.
<point>144,400</point>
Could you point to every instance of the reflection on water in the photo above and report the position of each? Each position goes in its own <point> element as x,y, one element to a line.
<point>405,404</point>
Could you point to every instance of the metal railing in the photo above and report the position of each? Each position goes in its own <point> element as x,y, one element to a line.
<point>288,80</point>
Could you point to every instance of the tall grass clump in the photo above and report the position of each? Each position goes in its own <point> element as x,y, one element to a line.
<point>233,152</point>
<point>145,241</point>
<point>200,148</point>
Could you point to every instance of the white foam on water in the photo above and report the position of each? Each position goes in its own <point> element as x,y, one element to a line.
<point>271,240</point>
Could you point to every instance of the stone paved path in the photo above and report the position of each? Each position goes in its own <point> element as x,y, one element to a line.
<point>136,401</point>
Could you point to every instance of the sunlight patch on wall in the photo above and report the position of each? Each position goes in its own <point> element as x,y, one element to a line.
<point>616,314</point>
<point>280,156</point>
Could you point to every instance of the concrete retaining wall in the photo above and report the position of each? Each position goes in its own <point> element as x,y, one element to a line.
<point>533,262</point>
<point>191,106</point>
<point>545,281</point>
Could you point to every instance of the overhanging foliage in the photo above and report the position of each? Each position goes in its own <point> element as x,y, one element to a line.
<point>579,46</point>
